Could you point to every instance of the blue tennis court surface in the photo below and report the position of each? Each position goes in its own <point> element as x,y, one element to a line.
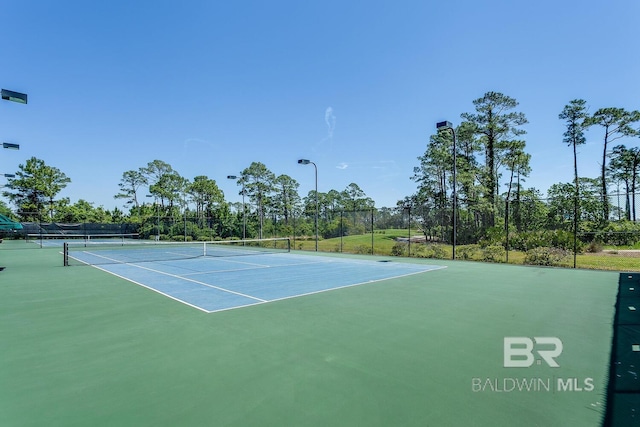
<point>213,284</point>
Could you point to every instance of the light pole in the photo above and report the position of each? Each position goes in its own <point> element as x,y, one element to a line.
<point>244,213</point>
<point>448,125</point>
<point>306,162</point>
<point>21,98</point>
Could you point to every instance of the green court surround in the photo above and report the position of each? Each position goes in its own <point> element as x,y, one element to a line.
<point>81,347</point>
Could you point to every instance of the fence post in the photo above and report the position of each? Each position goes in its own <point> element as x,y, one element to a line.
<point>506,228</point>
<point>341,230</point>
<point>372,251</point>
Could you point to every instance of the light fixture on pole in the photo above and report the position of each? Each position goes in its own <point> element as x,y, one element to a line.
<point>306,162</point>
<point>244,214</point>
<point>9,95</point>
<point>448,125</point>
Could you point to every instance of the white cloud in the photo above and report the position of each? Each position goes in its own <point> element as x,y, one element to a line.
<point>330,120</point>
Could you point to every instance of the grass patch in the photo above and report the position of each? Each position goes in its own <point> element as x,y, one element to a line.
<point>384,242</point>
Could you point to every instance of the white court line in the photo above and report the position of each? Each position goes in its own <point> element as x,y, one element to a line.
<point>225,259</point>
<point>331,289</point>
<point>152,289</point>
<point>174,276</point>
<point>255,265</point>
<point>258,300</point>
<point>254,268</point>
<point>230,270</point>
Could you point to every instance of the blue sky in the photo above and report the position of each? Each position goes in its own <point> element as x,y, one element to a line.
<point>357,87</point>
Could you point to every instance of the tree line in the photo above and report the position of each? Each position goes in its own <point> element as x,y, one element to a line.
<point>157,190</point>
<point>492,166</point>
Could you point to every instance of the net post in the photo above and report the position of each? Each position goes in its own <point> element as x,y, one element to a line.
<point>65,254</point>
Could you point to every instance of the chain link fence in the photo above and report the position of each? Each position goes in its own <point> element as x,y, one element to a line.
<point>530,230</point>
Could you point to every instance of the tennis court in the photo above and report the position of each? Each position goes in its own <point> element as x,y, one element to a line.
<point>214,276</point>
<point>414,345</point>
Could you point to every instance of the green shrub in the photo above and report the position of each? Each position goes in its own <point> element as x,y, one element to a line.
<point>545,256</point>
<point>421,251</point>
<point>467,252</point>
<point>429,251</point>
<point>493,236</point>
<point>399,249</point>
<point>493,253</point>
<point>564,240</point>
<point>362,249</point>
<point>623,233</point>
<point>439,252</point>
<point>527,240</point>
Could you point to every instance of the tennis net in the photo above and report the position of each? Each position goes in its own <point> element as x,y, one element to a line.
<point>56,239</point>
<point>97,253</point>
